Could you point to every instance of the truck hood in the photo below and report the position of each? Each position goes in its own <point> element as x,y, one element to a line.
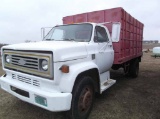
<point>62,50</point>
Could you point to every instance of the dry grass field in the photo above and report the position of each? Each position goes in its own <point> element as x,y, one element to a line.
<point>150,46</point>
<point>128,99</point>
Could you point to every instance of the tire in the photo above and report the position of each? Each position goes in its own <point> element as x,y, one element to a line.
<point>82,100</point>
<point>134,69</point>
<point>126,69</point>
<point>114,67</point>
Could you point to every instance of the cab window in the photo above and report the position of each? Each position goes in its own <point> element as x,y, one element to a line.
<point>100,34</point>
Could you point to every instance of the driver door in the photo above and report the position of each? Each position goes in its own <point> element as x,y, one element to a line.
<point>105,53</point>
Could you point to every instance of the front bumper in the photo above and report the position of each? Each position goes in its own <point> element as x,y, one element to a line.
<point>55,101</point>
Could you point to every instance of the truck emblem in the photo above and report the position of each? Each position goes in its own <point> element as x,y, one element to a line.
<point>21,61</point>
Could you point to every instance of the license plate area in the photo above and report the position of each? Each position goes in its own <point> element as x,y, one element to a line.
<point>41,100</point>
<point>19,91</point>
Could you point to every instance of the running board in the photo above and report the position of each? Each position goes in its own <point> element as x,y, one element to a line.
<point>105,85</point>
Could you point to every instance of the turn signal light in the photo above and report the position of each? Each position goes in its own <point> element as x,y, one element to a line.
<point>65,69</point>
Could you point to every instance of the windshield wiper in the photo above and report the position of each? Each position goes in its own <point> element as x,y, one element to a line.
<point>67,39</point>
<point>49,39</point>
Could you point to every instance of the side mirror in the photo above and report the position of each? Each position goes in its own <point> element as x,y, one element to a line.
<point>116,28</point>
<point>42,33</point>
<point>45,31</point>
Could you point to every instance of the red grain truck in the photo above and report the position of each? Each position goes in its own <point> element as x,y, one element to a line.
<point>72,63</point>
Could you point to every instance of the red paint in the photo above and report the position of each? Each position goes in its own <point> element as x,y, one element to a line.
<point>130,44</point>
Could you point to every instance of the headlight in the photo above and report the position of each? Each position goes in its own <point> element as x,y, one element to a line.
<point>8,59</point>
<point>44,65</point>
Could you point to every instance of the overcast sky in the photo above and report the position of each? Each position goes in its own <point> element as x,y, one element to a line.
<point>22,20</point>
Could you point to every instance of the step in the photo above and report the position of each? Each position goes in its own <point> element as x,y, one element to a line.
<point>105,85</point>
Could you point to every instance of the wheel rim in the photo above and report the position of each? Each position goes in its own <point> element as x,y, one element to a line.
<point>85,100</point>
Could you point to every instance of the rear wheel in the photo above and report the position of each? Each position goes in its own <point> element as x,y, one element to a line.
<point>134,69</point>
<point>126,68</point>
<point>82,100</point>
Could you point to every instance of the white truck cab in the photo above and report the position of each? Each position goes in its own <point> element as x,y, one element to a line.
<point>62,72</point>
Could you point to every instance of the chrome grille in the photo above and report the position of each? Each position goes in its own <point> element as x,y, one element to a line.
<point>13,76</point>
<point>36,83</point>
<point>27,62</point>
<point>26,80</point>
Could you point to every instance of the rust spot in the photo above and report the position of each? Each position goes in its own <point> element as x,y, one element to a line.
<point>114,14</point>
<point>80,20</point>
<point>95,18</point>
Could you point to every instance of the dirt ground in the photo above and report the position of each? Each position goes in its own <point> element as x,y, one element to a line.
<point>150,45</point>
<point>128,99</point>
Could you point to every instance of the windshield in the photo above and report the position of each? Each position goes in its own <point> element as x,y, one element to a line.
<point>74,32</point>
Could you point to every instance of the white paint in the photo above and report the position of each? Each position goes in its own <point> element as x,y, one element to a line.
<point>107,84</point>
<point>104,54</point>
<point>56,101</point>
<point>77,55</point>
<point>104,77</point>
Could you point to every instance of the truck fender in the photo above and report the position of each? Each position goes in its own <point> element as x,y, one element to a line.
<point>68,79</point>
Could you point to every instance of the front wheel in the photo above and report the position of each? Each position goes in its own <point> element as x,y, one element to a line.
<point>82,100</point>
